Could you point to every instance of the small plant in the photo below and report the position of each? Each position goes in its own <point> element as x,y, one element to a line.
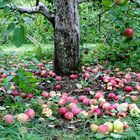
<point>43,52</point>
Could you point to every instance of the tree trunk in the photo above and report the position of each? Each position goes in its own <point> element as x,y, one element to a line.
<point>67,37</point>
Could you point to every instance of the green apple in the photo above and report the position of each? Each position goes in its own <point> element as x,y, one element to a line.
<point>93,128</point>
<point>134,112</point>
<point>102,99</point>
<point>118,126</point>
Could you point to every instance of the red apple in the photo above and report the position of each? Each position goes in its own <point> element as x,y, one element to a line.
<point>72,76</point>
<point>117,98</point>
<point>96,110</point>
<point>52,74</point>
<point>103,129</point>
<point>62,110</point>
<point>58,78</point>
<point>128,89</point>
<point>110,125</point>
<point>121,114</point>
<point>15,93</point>
<point>64,95</point>
<point>70,99</point>
<point>128,32</point>
<point>86,101</point>
<point>38,72</point>
<point>72,105</point>
<point>106,79</point>
<point>75,101</point>
<point>43,73</point>
<point>62,102</point>
<point>104,105</point>
<point>87,90</point>
<point>86,75</point>
<point>127,76</point>
<point>75,111</point>
<point>30,113</point>
<point>93,102</point>
<point>9,119</point>
<point>45,94</point>
<point>68,115</point>
<point>82,97</point>
<point>111,95</point>
<point>58,87</point>
<point>99,94</point>
<point>30,95</point>
<point>4,75</point>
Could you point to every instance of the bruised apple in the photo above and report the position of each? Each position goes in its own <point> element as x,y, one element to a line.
<point>22,118</point>
<point>119,2</point>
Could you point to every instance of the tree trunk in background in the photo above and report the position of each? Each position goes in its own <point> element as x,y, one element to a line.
<point>67,37</point>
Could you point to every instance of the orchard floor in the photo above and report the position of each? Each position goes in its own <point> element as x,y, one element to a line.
<point>21,75</point>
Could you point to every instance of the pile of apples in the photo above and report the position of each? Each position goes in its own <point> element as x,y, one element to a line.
<point>21,118</point>
<point>117,126</point>
<point>106,101</point>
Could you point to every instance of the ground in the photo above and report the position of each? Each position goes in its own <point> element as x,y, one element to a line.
<point>24,79</point>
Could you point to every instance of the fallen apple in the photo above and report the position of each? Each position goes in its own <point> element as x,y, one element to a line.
<point>30,113</point>
<point>68,115</point>
<point>93,128</point>
<point>9,119</point>
<point>110,126</point>
<point>103,129</point>
<point>62,110</point>
<point>22,118</point>
<point>118,126</point>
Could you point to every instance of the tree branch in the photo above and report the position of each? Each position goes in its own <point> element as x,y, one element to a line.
<point>41,9</point>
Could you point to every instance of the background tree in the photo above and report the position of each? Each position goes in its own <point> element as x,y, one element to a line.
<point>63,15</point>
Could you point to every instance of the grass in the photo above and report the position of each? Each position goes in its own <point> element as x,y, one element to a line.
<point>36,130</point>
<point>41,131</point>
<point>23,49</point>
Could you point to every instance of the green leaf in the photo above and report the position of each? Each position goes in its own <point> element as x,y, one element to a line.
<point>106,3</point>
<point>19,36</point>
<point>3,3</point>
<point>79,86</point>
<point>28,73</point>
<point>9,78</point>
<point>33,80</point>
<point>32,67</point>
<point>6,10</point>
<point>117,136</point>
<point>128,99</point>
<point>51,118</point>
<point>99,136</point>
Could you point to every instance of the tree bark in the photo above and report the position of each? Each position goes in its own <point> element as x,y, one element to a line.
<point>67,37</point>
